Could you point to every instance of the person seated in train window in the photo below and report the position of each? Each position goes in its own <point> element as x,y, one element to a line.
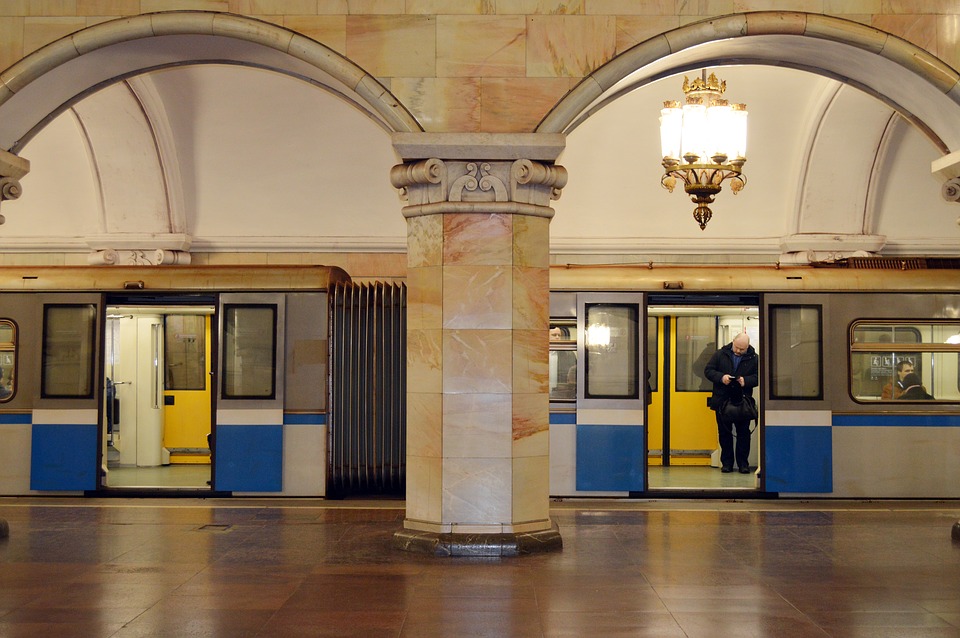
<point>893,390</point>
<point>913,389</point>
<point>5,390</point>
<point>734,371</point>
<point>559,333</point>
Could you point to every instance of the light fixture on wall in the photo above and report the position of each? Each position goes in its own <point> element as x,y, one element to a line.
<point>704,142</point>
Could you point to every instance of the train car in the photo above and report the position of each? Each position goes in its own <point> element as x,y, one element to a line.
<point>628,399</point>
<point>182,379</point>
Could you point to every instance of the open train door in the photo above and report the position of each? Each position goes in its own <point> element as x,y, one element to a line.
<point>247,440</point>
<point>611,392</point>
<point>64,451</point>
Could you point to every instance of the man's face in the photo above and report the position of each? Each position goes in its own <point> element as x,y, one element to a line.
<point>907,369</point>
<point>739,347</point>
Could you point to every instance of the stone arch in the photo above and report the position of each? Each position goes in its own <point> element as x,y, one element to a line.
<point>48,81</point>
<point>922,88</point>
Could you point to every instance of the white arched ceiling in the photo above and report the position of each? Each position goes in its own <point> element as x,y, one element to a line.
<point>285,147</point>
<point>829,154</point>
<point>216,158</point>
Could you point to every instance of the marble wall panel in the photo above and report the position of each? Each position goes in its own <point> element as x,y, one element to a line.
<point>948,39</point>
<point>108,7</point>
<point>916,29</point>
<point>531,241</point>
<point>704,8</point>
<point>632,7</point>
<point>38,32</point>
<point>393,46</point>
<point>531,422</point>
<point>477,425</point>
<point>476,361</point>
<point>152,6</point>
<point>477,239</point>
<point>555,7</point>
<point>477,490</point>
<point>11,41</point>
<point>632,30</point>
<point>425,240</point>
<point>516,105</point>
<point>328,30</point>
<point>843,7</point>
<point>424,297</point>
<point>477,297</point>
<point>274,7</point>
<point>441,104</point>
<point>808,6</point>
<point>425,424</point>
<point>424,361</point>
<point>531,489</point>
<point>424,498</point>
<point>531,372</point>
<point>531,303</point>
<point>569,46</point>
<point>478,46</point>
<point>452,7</point>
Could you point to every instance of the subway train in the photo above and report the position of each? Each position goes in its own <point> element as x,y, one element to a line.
<point>628,398</point>
<point>289,380</point>
<point>199,380</point>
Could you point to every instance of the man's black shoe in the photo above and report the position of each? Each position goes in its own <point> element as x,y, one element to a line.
<point>726,469</point>
<point>744,470</point>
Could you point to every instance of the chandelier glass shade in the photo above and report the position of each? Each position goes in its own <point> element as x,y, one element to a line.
<point>703,143</point>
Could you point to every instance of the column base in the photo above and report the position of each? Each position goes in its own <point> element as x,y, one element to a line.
<point>512,544</point>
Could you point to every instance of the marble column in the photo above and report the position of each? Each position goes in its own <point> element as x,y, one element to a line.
<point>478,220</point>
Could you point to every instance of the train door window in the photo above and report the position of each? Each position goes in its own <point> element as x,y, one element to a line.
<point>185,352</point>
<point>696,343</point>
<point>888,358</point>
<point>249,351</point>
<point>796,341</point>
<point>69,337</point>
<point>653,351</point>
<point>563,360</point>
<point>611,347</point>
<point>8,359</point>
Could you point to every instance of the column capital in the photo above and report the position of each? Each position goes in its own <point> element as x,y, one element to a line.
<point>12,169</point>
<point>434,186</point>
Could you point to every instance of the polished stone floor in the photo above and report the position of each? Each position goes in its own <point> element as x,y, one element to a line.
<point>244,567</point>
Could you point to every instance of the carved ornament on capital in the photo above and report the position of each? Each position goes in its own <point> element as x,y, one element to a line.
<point>12,169</point>
<point>435,181</point>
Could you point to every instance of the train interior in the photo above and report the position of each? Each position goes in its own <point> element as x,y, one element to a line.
<point>156,422</point>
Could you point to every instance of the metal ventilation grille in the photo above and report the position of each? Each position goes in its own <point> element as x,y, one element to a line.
<point>900,263</point>
<point>368,406</point>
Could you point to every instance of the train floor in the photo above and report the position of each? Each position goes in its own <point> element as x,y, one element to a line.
<point>305,567</point>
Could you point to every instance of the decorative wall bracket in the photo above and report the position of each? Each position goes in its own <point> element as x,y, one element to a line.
<point>160,257</point>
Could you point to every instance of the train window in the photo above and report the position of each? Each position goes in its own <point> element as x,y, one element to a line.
<point>185,352</point>
<point>8,359</point>
<point>653,351</point>
<point>611,346</point>
<point>563,360</point>
<point>249,351</point>
<point>69,340</point>
<point>796,367</point>
<point>908,360</point>
<point>696,343</point>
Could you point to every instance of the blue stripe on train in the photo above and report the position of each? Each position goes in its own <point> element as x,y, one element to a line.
<point>798,459</point>
<point>610,458</point>
<point>897,420</point>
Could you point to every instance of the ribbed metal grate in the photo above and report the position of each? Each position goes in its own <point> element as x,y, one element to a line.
<point>368,390</point>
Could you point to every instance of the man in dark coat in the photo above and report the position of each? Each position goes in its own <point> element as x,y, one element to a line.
<point>733,369</point>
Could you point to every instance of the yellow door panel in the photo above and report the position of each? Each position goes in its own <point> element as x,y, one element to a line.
<point>187,416</point>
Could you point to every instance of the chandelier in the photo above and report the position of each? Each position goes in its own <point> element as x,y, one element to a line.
<point>704,142</point>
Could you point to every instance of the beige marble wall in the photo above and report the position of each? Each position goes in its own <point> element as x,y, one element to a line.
<point>477,373</point>
<point>479,65</point>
